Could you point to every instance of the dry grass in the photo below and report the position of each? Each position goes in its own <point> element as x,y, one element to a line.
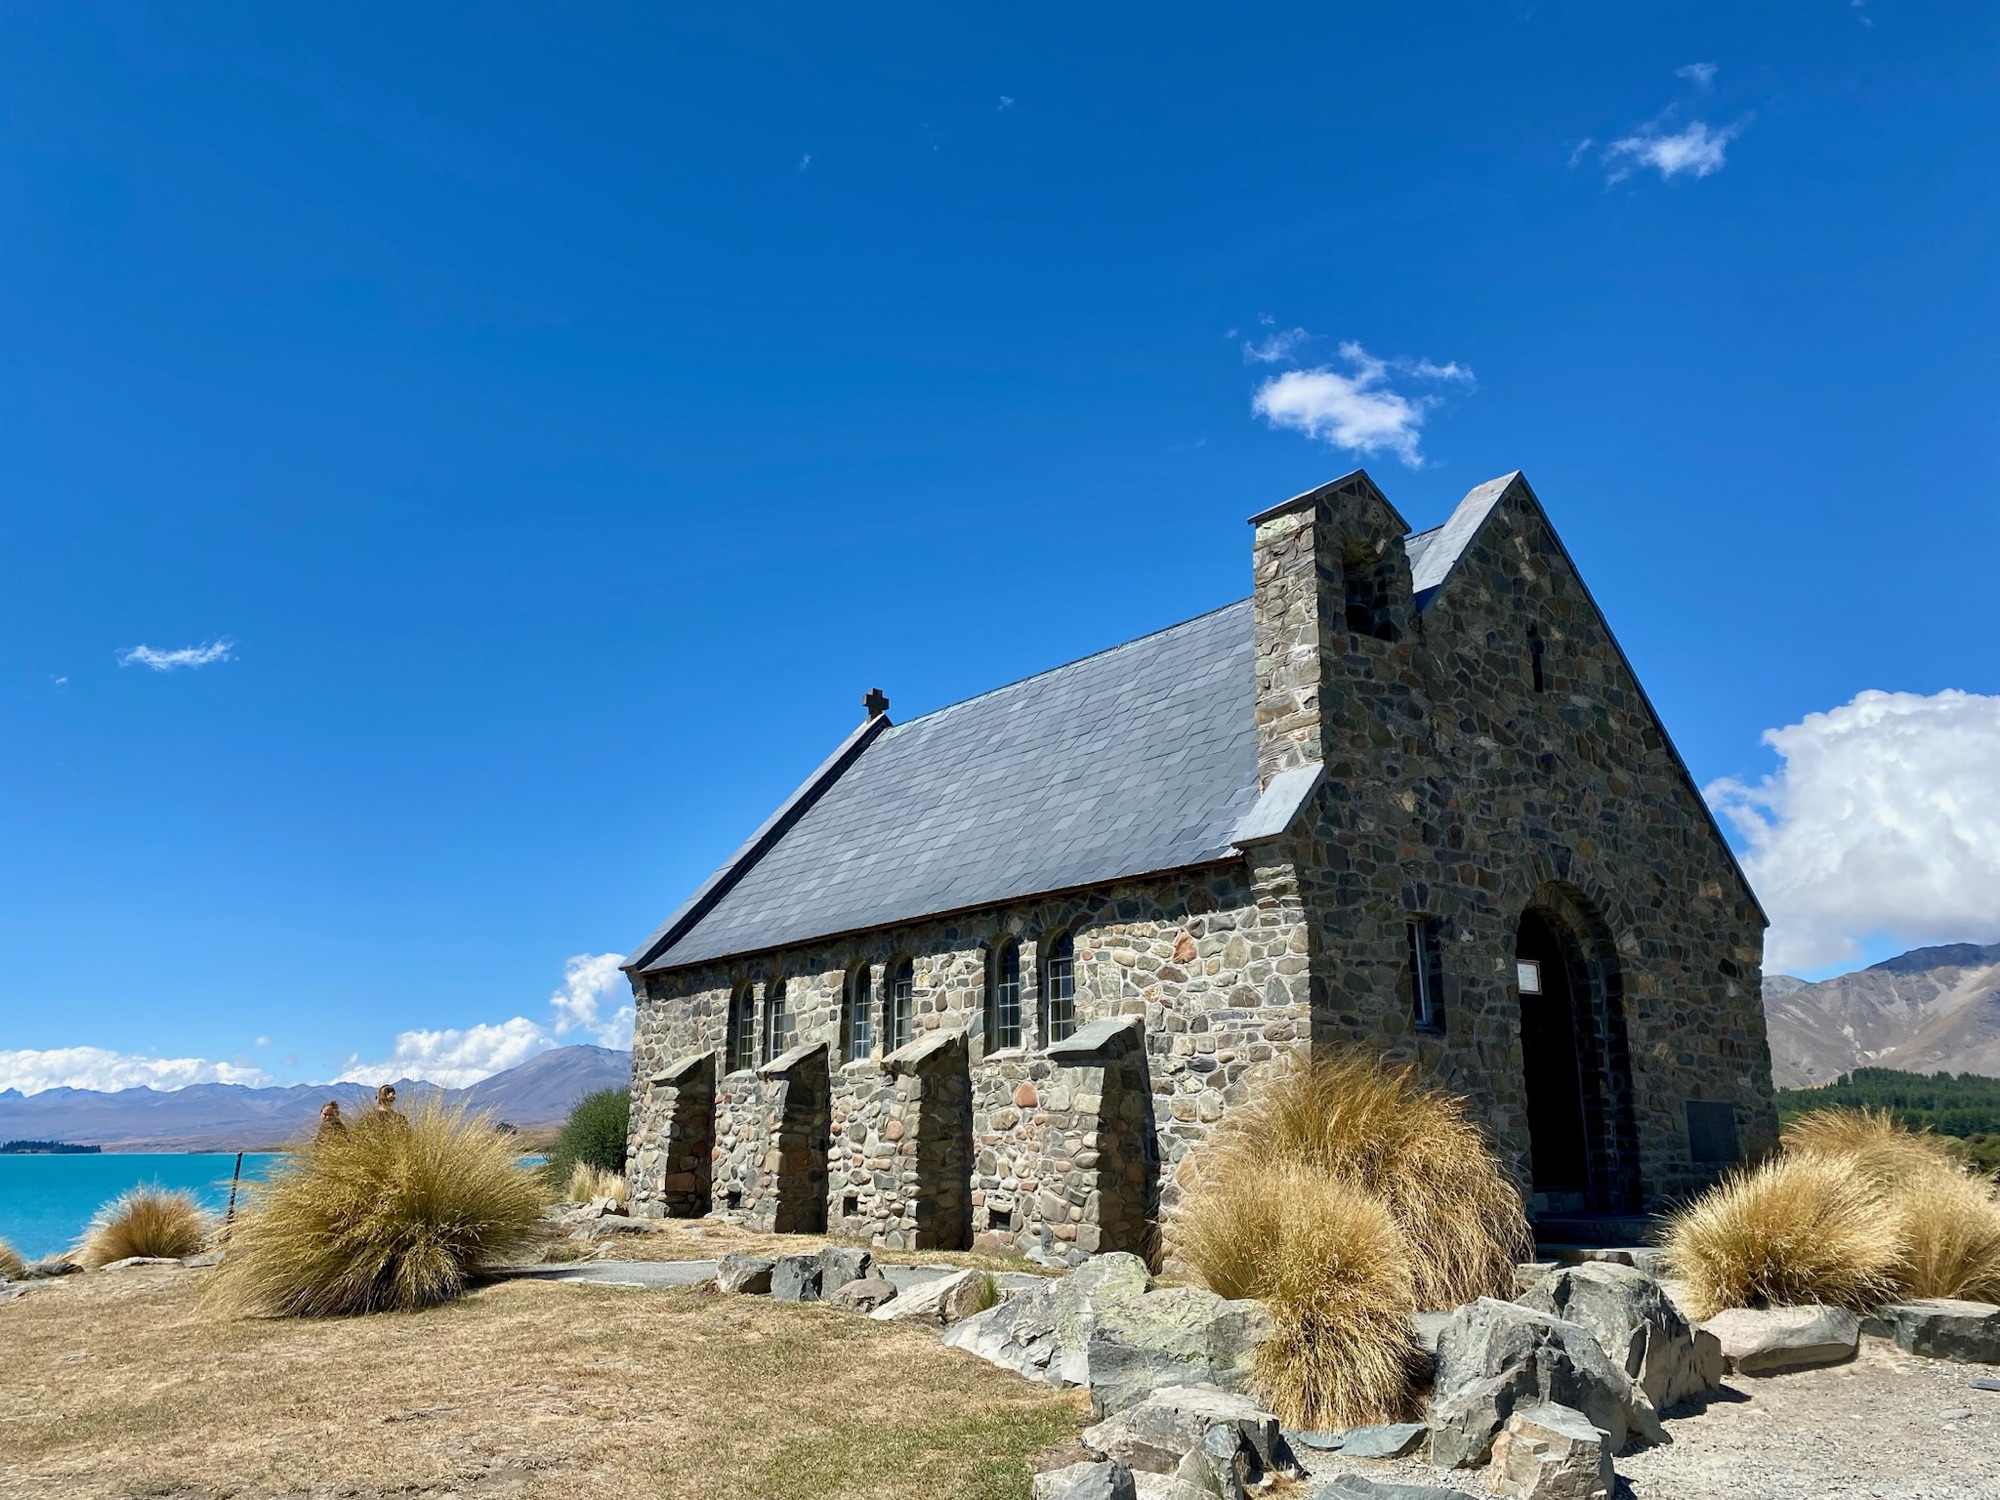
<point>1333,1268</point>
<point>1376,1128</point>
<point>1800,1228</point>
<point>711,1239</point>
<point>144,1221</point>
<point>1951,1236</point>
<point>124,1386</point>
<point>388,1213</point>
<point>587,1183</point>
<point>1858,1210</point>
<point>11,1264</point>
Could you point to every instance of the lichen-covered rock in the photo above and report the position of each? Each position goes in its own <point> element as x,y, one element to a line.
<point>796,1278</point>
<point>746,1274</point>
<point>840,1264</point>
<point>940,1303</point>
<point>1153,1436</point>
<point>1636,1325</point>
<point>1770,1340</point>
<point>864,1295</point>
<point>1220,1466</point>
<point>1107,1327</point>
<point>1551,1453</point>
<point>1086,1481</point>
<point>1941,1328</point>
<point>1494,1357</point>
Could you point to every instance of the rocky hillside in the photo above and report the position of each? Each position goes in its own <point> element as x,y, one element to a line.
<point>1925,1011</point>
<point>231,1117</point>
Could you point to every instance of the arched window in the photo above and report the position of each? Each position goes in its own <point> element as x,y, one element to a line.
<point>1003,995</point>
<point>741,1046</point>
<point>1058,988</point>
<point>902,1017</point>
<point>779,1022</point>
<point>858,1020</point>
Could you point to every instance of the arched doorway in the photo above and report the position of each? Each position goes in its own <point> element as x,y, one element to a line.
<point>1576,1068</point>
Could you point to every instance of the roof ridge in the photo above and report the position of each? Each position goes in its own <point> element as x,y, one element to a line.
<point>1075,661</point>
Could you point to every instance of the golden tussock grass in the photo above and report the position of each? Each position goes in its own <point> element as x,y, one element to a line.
<point>1345,1195</point>
<point>1858,1210</point>
<point>1797,1229</point>
<point>587,1182</point>
<point>388,1213</point>
<point>144,1221</point>
<point>1332,1267</point>
<point>1373,1126</point>
<point>11,1264</point>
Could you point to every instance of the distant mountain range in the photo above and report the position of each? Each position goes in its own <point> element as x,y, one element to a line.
<point>231,1117</point>
<point>1926,1011</point>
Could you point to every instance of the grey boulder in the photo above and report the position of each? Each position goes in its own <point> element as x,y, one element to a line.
<point>796,1278</point>
<point>1637,1325</point>
<point>1496,1356</point>
<point>940,1302</point>
<point>1360,1487</point>
<point>744,1273</point>
<point>1156,1434</point>
<point>1106,1326</point>
<point>865,1295</point>
<point>1551,1453</point>
<point>1768,1341</point>
<point>1086,1481</point>
<point>1941,1328</point>
<point>1388,1440</point>
<point>840,1264</point>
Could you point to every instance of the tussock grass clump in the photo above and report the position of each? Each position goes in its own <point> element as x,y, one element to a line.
<point>144,1221</point>
<point>386,1214</point>
<point>1372,1125</point>
<point>1333,1268</point>
<point>1346,1196</point>
<point>587,1182</point>
<point>1857,1211</point>
<point>11,1264</point>
<point>1951,1236</point>
<point>1798,1229</point>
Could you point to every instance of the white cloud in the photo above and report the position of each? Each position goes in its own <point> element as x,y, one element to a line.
<point>1358,411</point>
<point>587,979</point>
<point>1701,75</point>
<point>1696,150</point>
<point>456,1057</point>
<point>453,1057</point>
<point>1276,347</point>
<point>184,656</point>
<point>1881,821</point>
<point>1006,101</point>
<point>101,1068</point>
<point>805,161</point>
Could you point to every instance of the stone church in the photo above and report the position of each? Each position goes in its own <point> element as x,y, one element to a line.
<point>988,976</point>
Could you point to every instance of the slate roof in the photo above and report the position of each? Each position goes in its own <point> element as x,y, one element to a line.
<point>1134,761</point>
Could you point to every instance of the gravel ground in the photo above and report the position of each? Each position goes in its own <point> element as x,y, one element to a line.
<point>1876,1429</point>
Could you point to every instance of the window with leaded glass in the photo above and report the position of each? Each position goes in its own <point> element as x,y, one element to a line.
<point>860,1019</point>
<point>742,1043</point>
<point>779,1023</point>
<point>1003,995</point>
<point>1059,988</point>
<point>902,1016</point>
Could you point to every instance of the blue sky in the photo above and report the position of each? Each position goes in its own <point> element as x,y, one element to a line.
<point>551,423</point>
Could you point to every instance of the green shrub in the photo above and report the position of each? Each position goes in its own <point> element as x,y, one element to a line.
<point>386,1214</point>
<point>594,1135</point>
<point>145,1221</point>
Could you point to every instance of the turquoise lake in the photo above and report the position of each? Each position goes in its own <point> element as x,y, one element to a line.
<point>45,1201</point>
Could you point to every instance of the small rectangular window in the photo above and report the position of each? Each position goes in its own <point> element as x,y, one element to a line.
<point>1528,976</point>
<point>902,1005</point>
<point>742,1030</point>
<point>1003,1009</point>
<point>1059,990</point>
<point>860,1015</point>
<point>1426,974</point>
<point>779,1022</point>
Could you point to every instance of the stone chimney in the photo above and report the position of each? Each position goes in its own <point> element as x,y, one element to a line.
<point>1332,582</point>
